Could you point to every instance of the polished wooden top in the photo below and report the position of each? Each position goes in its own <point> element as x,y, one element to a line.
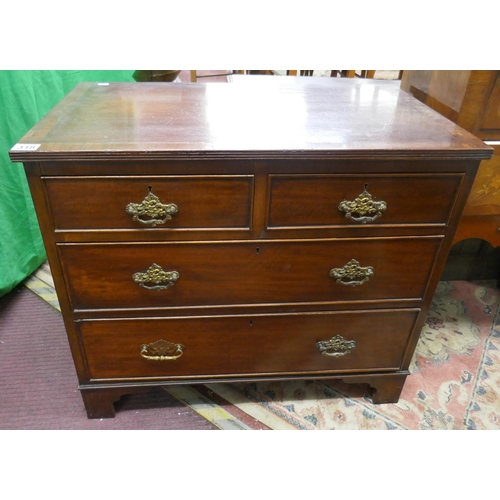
<point>284,117</point>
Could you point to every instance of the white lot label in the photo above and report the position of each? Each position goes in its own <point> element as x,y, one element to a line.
<point>25,147</point>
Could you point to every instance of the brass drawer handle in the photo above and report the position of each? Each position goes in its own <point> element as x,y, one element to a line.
<point>336,347</point>
<point>352,272</point>
<point>153,208</point>
<point>363,208</point>
<point>155,278</point>
<point>161,350</point>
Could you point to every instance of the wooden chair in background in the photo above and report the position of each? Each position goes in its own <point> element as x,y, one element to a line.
<point>194,75</point>
<point>345,73</point>
<point>348,73</point>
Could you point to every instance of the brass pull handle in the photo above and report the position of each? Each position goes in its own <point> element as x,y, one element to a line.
<point>155,278</point>
<point>352,274</point>
<point>336,347</point>
<point>152,208</point>
<point>161,350</point>
<point>363,208</point>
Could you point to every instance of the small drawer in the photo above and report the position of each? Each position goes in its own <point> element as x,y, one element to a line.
<point>156,202</point>
<point>360,200</point>
<point>163,275</point>
<point>240,345</point>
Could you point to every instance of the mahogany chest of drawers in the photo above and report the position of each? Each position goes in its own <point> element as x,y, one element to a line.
<point>223,232</point>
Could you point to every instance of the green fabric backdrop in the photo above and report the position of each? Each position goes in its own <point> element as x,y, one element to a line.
<point>25,97</point>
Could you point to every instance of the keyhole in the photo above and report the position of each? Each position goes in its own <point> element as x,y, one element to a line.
<point>257,250</point>
<point>251,323</point>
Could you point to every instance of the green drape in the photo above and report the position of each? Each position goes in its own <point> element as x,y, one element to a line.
<point>25,97</point>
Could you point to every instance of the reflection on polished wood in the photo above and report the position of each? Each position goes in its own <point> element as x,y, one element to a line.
<point>341,118</point>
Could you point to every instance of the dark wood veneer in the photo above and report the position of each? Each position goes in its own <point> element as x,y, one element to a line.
<point>248,345</point>
<point>313,200</point>
<point>266,272</point>
<point>204,202</point>
<point>348,119</point>
<point>258,175</point>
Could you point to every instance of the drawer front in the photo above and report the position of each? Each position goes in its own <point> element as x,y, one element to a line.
<point>218,345</point>
<point>175,202</point>
<point>270,272</point>
<point>316,200</point>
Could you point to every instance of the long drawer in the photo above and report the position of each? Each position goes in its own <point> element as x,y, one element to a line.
<point>262,272</point>
<point>159,202</point>
<point>237,345</point>
<point>340,200</point>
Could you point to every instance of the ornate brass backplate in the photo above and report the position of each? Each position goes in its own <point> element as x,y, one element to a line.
<point>363,208</point>
<point>336,347</point>
<point>161,350</point>
<point>352,274</point>
<point>151,211</point>
<point>155,278</point>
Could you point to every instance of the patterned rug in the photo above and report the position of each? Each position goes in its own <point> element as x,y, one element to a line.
<point>454,382</point>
